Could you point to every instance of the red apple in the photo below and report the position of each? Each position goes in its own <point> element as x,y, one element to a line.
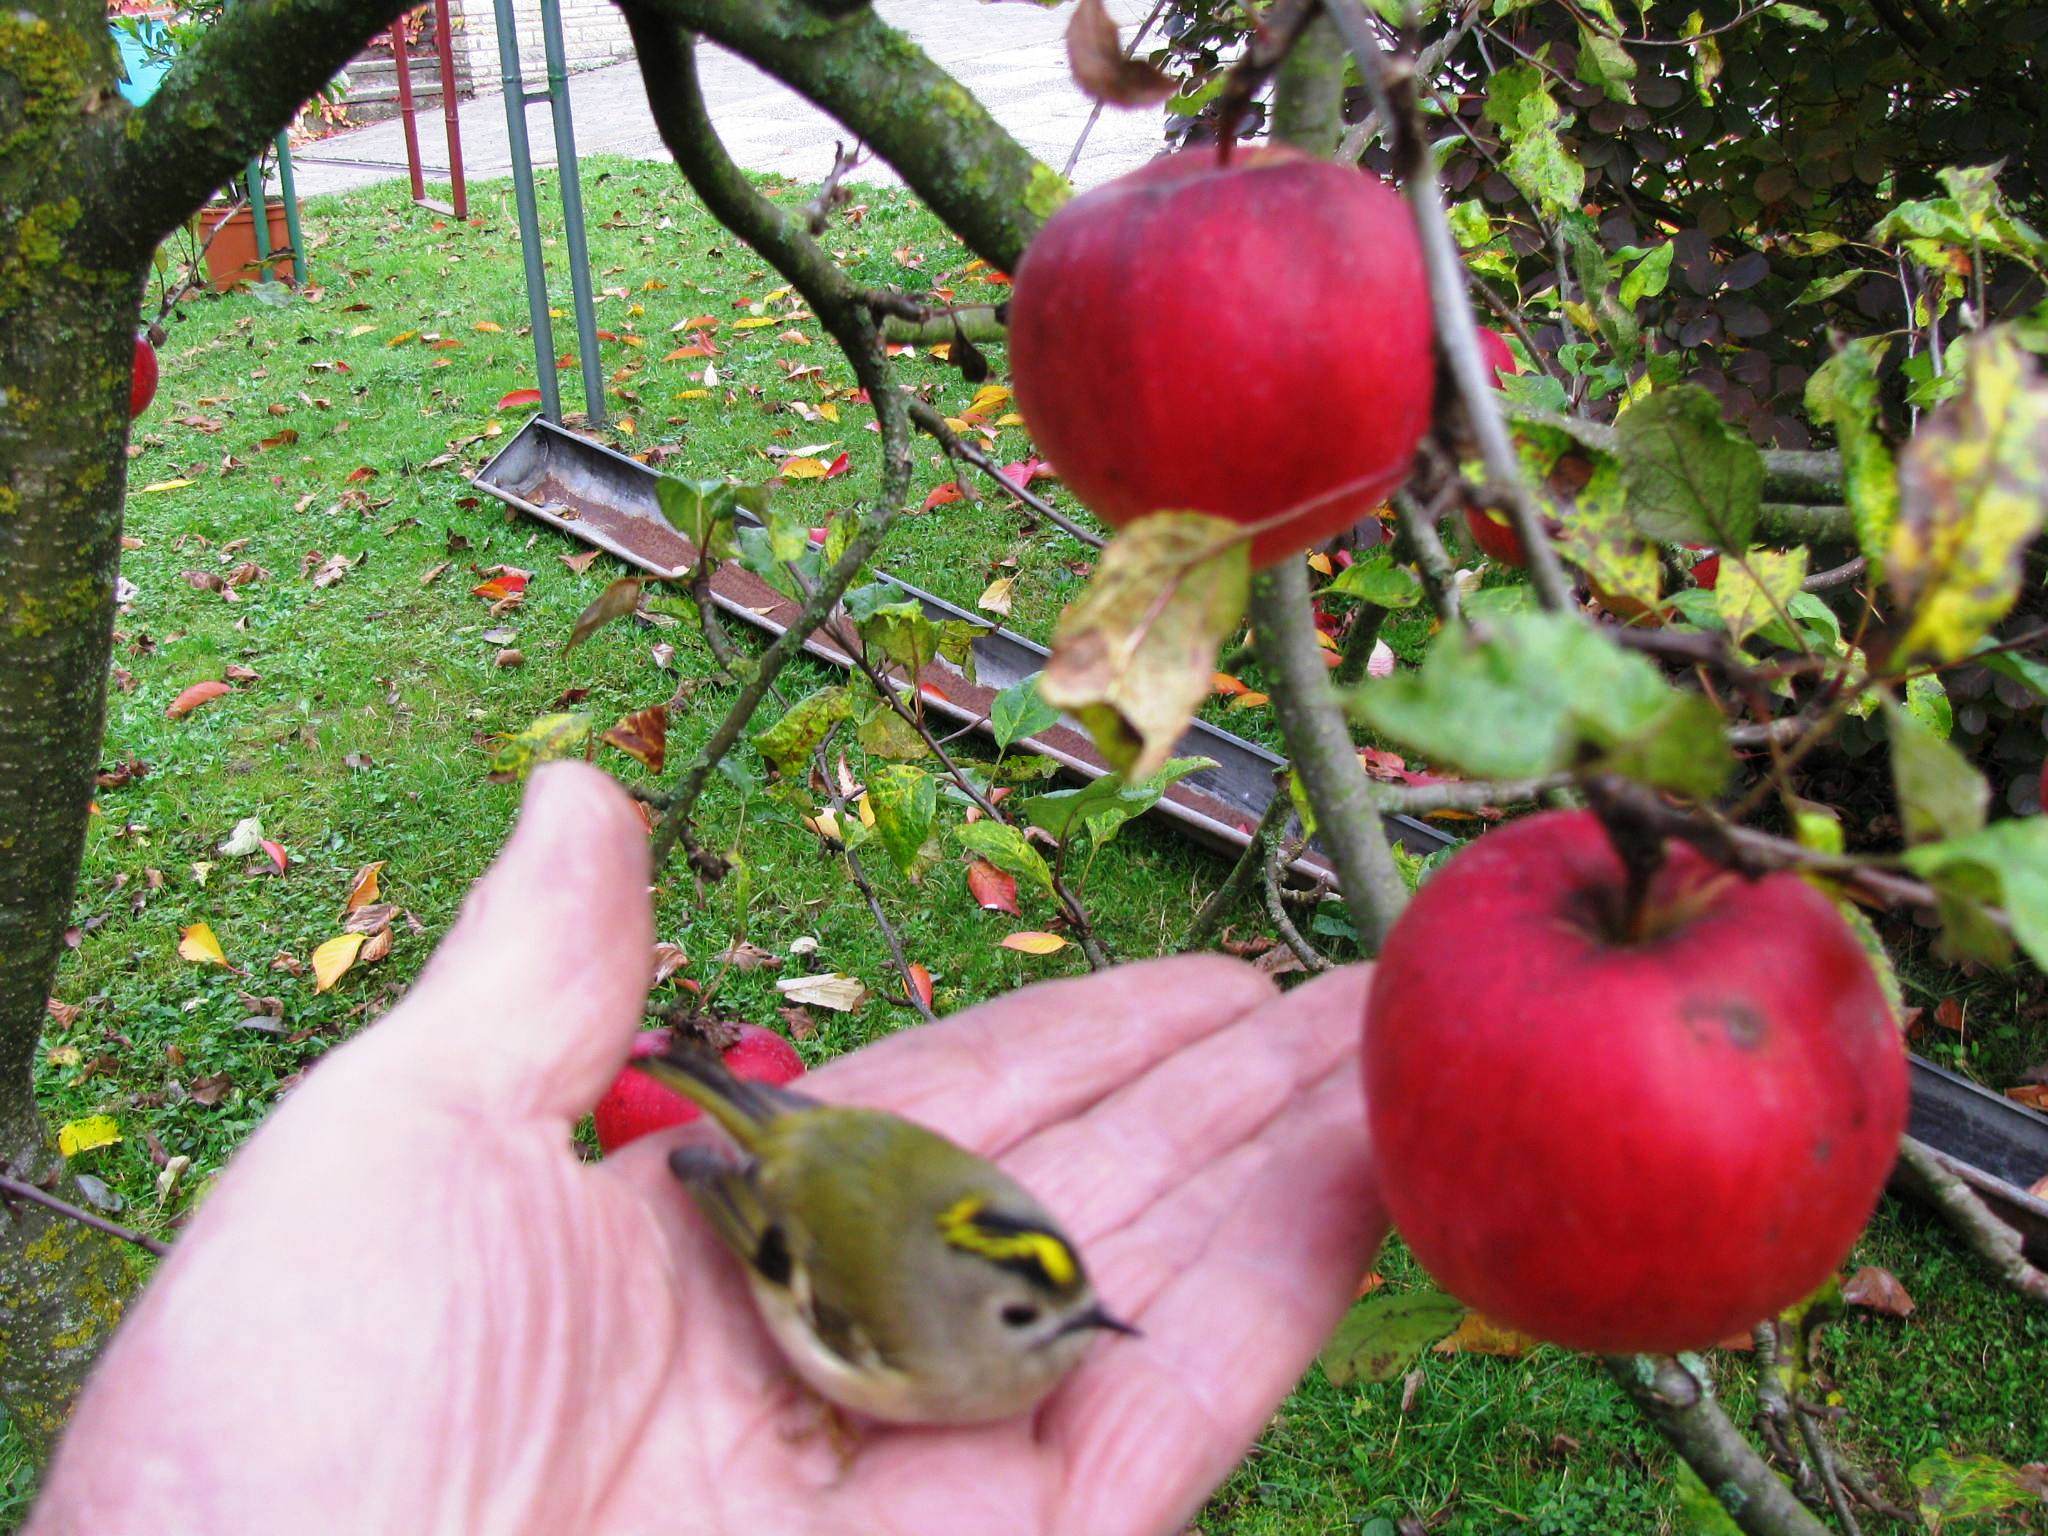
<point>1622,1142</point>
<point>142,383</point>
<point>636,1104</point>
<point>1493,348</point>
<point>1243,339</point>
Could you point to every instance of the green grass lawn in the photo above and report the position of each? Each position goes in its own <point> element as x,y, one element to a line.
<point>322,427</point>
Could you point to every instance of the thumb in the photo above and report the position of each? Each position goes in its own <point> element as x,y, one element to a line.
<point>529,1006</point>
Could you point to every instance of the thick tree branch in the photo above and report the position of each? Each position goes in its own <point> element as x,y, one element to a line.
<point>1674,1399</point>
<point>668,64</point>
<point>1998,1245</point>
<point>242,83</point>
<point>1320,743</point>
<point>1462,794</point>
<point>985,186</point>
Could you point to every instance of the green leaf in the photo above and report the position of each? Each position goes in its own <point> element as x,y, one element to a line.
<point>1377,579</point>
<point>1019,712</point>
<point>1604,62</point>
<point>789,532</point>
<point>886,734</point>
<point>1538,163</point>
<point>1800,16</point>
<point>1706,57</point>
<point>1927,701</point>
<point>2021,668</point>
<point>1962,1487</point>
<point>1940,794</point>
<point>1755,588</point>
<point>1133,656</point>
<point>1843,395</point>
<point>904,800</point>
<point>1601,539</point>
<point>617,600</point>
<point>1381,1336</point>
<point>1647,278</point>
<point>1101,808</point>
<point>1824,288</point>
<point>1690,479</point>
<point>788,743</point>
<point>701,511</point>
<point>1004,846</point>
<point>2004,864</point>
<point>1973,492</point>
<point>1542,693</point>
<point>900,633</point>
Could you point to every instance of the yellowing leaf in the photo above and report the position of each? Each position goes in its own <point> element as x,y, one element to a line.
<point>1320,563</point>
<point>995,598</point>
<point>402,338</point>
<point>86,1134</point>
<point>1031,942</point>
<point>990,397</point>
<point>828,410</point>
<point>1134,656</point>
<point>488,327</point>
<point>165,485</point>
<point>198,945</point>
<point>332,959</point>
<point>548,738</point>
<point>1753,589</point>
<point>755,323</point>
<point>1478,1335</point>
<point>1973,492</point>
<point>692,394</point>
<point>804,468</point>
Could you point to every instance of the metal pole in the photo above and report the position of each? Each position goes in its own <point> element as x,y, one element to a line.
<point>529,220</point>
<point>402,66</point>
<point>588,360</point>
<point>288,189</point>
<point>444,52</point>
<point>259,213</point>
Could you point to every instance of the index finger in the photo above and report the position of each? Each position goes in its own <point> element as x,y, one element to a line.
<point>991,1075</point>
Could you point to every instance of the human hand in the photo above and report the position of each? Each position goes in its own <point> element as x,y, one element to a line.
<point>408,1306</point>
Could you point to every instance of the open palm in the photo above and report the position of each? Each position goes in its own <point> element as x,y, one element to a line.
<point>408,1305</point>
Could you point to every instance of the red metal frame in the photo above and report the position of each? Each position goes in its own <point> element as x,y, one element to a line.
<point>444,52</point>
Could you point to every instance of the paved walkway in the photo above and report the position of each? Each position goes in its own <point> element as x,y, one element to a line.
<point>1010,55</point>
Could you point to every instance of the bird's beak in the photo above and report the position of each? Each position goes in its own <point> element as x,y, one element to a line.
<point>1096,1317</point>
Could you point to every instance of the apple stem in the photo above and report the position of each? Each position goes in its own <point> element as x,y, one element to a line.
<point>1639,843</point>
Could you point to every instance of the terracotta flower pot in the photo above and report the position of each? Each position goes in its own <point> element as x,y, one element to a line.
<point>231,253</point>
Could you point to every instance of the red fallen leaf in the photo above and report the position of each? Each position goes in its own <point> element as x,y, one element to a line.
<point>1024,471</point>
<point>1229,686</point>
<point>2033,1095</point>
<point>277,854</point>
<point>642,735</point>
<point>607,336</point>
<point>500,586</point>
<point>993,890</point>
<point>1877,1290</point>
<point>193,697</point>
<point>359,474</point>
<point>836,468</point>
<point>934,691</point>
<point>919,984</point>
<point>519,397</point>
<point>948,492</point>
<point>1948,1013</point>
<point>282,439</point>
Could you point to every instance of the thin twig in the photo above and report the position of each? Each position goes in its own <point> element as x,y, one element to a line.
<point>1227,895</point>
<point>1432,561</point>
<point>16,1189</point>
<point>1095,112</point>
<point>1462,794</point>
<point>1837,576</point>
<point>927,419</point>
<point>861,884</point>
<point>1824,1464</point>
<point>1276,909</point>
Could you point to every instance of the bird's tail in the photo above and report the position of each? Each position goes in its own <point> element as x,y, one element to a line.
<point>739,1107</point>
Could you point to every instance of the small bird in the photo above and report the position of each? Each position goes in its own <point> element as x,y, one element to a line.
<point>905,1278</point>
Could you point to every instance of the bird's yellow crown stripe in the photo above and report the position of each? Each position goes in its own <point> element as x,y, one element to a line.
<point>961,1226</point>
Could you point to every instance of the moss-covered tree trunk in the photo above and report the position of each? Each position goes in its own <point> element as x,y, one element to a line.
<point>67,317</point>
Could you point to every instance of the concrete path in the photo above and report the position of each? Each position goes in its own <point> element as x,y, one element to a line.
<point>1010,55</point>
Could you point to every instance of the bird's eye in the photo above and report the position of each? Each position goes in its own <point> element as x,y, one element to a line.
<point>1020,1314</point>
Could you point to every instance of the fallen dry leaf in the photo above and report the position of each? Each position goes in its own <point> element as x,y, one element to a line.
<point>992,889</point>
<point>643,736</point>
<point>370,917</point>
<point>331,961</point>
<point>193,697</point>
<point>376,947</point>
<point>749,957</point>
<point>1877,1290</point>
<point>832,990</point>
<point>1030,942</point>
<point>668,959</point>
<point>1478,1335</point>
<point>362,888</point>
<point>197,944</point>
